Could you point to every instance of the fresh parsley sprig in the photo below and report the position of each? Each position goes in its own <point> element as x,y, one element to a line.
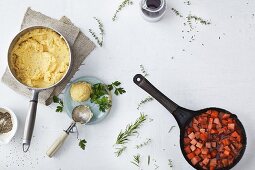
<point>60,102</point>
<point>104,103</point>
<point>130,130</point>
<point>82,143</point>
<point>101,29</point>
<point>117,90</point>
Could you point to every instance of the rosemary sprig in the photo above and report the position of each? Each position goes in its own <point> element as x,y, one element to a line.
<point>130,130</point>
<point>117,90</point>
<point>143,70</point>
<point>121,6</point>
<point>136,160</point>
<point>101,29</point>
<point>120,150</point>
<point>143,144</point>
<point>60,102</point>
<point>82,143</point>
<point>177,13</point>
<point>144,101</point>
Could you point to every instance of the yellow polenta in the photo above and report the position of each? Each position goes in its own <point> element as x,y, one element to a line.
<point>40,58</point>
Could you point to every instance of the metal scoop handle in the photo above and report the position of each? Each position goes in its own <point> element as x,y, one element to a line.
<point>30,121</point>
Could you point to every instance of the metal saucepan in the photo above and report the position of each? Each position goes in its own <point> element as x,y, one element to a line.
<point>30,119</point>
<point>184,116</point>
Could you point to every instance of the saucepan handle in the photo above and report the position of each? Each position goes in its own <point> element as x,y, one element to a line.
<point>142,82</point>
<point>30,121</point>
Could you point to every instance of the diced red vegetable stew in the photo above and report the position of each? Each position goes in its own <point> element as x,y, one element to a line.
<point>212,140</point>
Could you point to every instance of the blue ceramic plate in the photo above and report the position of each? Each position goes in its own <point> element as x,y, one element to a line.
<point>69,104</point>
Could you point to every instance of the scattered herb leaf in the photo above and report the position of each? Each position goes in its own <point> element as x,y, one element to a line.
<point>101,29</point>
<point>171,128</point>
<point>177,13</point>
<point>144,101</point>
<point>60,102</point>
<point>149,159</point>
<point>170,163</point>
<point>130,130</point>
<point>121,6</point>
<point>120,150</point>
<point>197,19</point>
<point>136,160</point>
<point>82,143</point>
<point>143,144</point>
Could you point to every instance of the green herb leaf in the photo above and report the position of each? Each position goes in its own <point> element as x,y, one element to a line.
<point>82,143</point>
<point>144,101</point>
<point>149,159</point>
<point>117,90</point>
<point>104,103</point>
<point>143,144</point>
<point>60,102</point>
<point>98,90</point>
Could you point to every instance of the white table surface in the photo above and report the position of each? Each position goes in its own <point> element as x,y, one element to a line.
<point>210,71</point>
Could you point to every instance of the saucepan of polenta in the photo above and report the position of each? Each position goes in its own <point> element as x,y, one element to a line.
<point>39,58</point>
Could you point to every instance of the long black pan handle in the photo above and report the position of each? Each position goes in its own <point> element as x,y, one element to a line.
<point>180,114</point>
<point>142,82</point>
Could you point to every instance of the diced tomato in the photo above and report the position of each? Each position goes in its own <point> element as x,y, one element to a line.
<point>193,142</point>
<point>195,127</point>
<point>186,141</point>
<point>231,126</point>
<point>208,144</point>
<point>197,135</point>
<point>216,121</point>
<point>213,162</point>
<point>214,144</point>
<point>190,130</point>
<point>205,161</point>
<point>214,131</point>
<point>210,124</point>
<point>225,116</point>
<point>195,160</point>
<point>197,151</point>
<point>192,147</point>
<point>212,168</point>
<point>204,151</point>
<point>191,136</point>
<point>214,153</point>
<point>225,162</point>
<point>191,155</point>
<point>202,130</point>
<point>236,135</point>
<point>208,112</point>
<point>203,136</point>
<point>225,142</point>
<point>214,114</point>
<point>187,149</point>
<point>199,145</point>
<point>226,153</point>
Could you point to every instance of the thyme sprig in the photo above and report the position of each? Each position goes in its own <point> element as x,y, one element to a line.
<point>144,101</point>
<point>60,102</point>
<point>143,70</point>
<point>130,130</point>
<point>121,6</point>
<point>136,160</point>
<point>143,144</point>
<point>177,13</point>
<point>101,29</point>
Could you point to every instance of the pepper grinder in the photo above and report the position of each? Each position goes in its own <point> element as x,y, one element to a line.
<point>153,10</point>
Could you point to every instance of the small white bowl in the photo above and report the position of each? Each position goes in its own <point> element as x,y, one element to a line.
<point>5,138</point>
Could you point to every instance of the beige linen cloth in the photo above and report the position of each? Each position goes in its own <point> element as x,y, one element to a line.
<point>80,45</point>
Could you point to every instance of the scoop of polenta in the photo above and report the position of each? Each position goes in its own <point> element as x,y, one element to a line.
<point>40,58</point>
<point>80,91</point>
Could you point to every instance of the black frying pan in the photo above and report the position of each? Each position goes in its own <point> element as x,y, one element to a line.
<point>184,116</point>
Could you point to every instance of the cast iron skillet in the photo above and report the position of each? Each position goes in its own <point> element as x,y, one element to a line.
<point>184,116</point>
